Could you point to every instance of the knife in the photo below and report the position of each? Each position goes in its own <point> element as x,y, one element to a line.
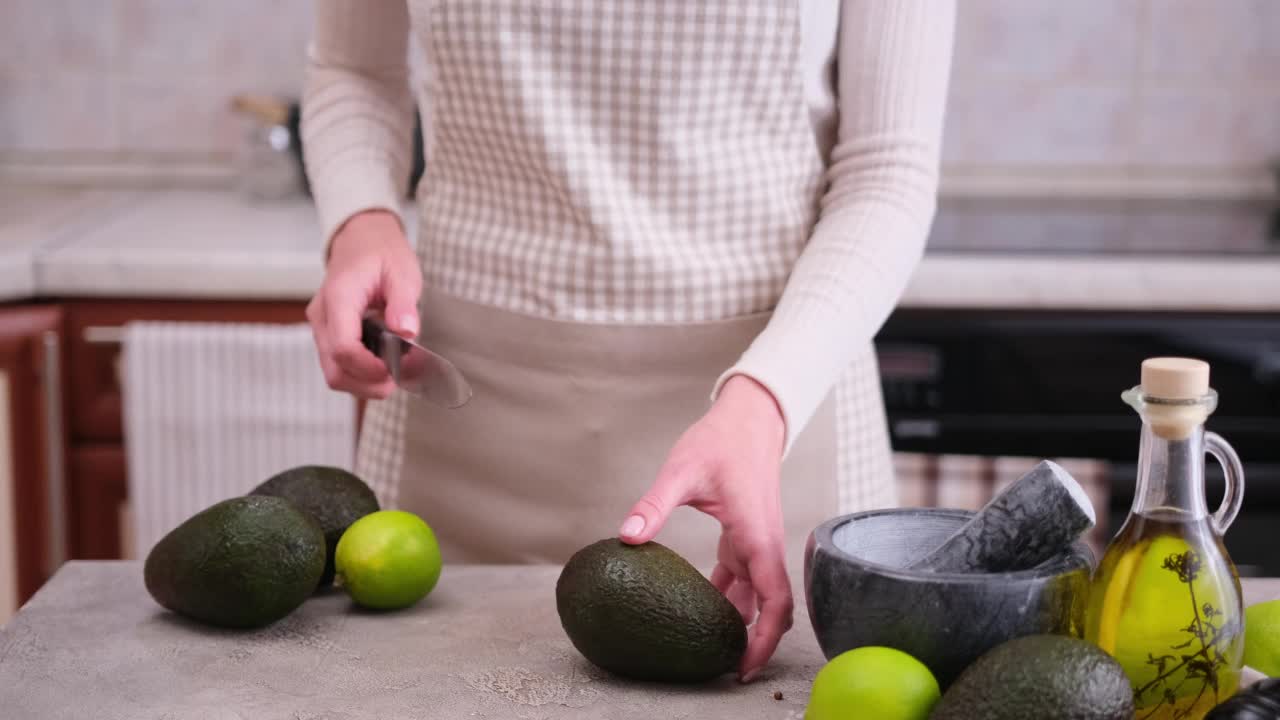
<point>414,368</point>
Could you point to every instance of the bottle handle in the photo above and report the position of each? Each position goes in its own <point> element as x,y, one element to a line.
<point>1234,472</point>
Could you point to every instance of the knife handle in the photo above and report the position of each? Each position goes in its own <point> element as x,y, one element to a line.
<point>371,335</point>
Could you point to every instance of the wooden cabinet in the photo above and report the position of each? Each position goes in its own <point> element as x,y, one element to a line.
<point>98,485</point>
<point>33,442</point>
<point>98,474</point>
<point>63,469</point>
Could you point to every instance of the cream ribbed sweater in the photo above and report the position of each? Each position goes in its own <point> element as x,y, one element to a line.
<point>876,120</point>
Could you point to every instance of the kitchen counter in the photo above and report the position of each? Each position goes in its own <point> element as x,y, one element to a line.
<point>204,244</point>
<point>174,244</point>
<point>485,644</point>
<point>1196,283</point>
<point>31,220</point>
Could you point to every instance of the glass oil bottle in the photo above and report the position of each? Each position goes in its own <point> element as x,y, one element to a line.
<point>1165,600</point>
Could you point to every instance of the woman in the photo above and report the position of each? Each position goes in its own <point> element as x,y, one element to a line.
<point>627,206</point>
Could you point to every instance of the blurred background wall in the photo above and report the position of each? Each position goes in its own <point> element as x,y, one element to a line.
<point>1139,93</point>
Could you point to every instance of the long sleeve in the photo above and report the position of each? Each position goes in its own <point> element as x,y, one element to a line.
<point>357,109</point>
<point>893,66</point>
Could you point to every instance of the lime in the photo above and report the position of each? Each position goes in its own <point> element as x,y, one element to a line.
<point>388,560</point>
<point>873,683</point>
<point>1262,637</point>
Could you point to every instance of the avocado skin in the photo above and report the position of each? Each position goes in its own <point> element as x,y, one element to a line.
<point>242,563</point>
<point>1259,701</point>
<point>335,497</point>
<point>643,612</point>
<point>1048,677</point>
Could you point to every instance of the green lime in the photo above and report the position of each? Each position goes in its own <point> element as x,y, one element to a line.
<point>1262,637</point>
<point>873,683</point>
<point>388,560</point>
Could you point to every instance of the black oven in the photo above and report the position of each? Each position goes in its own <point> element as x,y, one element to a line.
<point>1047,384</point>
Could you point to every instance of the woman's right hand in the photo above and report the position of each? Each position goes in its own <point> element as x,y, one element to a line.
<point>371,264</point>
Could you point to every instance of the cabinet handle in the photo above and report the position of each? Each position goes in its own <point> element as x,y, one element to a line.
<point>55,455</point>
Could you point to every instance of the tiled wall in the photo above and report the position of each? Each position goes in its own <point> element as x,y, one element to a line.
<point>1038,85</point>
<point>140,77</point>
<point>1155,83</point>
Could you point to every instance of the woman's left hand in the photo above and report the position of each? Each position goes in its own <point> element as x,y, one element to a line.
<point>727,465</point>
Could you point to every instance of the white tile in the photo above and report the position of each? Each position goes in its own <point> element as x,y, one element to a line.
<point>1212,44</point>
<point>1130,282</point>
<point>1037,123</point>
<point>57,111</point>
<point>17,275</point>
<point>188,115</point>
<point>183,61</point>
<point>191,244</point>
<point>58,35</point>
<point>1078,42</point>
<point>1042,226</point>
<point>1194,226</point>
<point>1208,128</point>
<point>237,36</point>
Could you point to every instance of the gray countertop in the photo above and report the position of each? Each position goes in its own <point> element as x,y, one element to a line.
<point>485,644</point>
<point>212,244</point>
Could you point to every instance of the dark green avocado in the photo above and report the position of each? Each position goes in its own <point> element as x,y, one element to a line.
<point>643,612</point>
<point>334,496</point>
<point>242,563</point>
<point>1047,677</point>
<point>1259,701</point>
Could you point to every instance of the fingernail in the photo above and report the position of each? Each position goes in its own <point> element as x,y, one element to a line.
<point>750,676</point>
<point>633,526</point>
<point>409,324</point>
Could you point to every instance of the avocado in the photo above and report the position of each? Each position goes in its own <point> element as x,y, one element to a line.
<point>1259,701</point>
<point>334,496</point>
<point>1048,677</point>
<point>242,563</point>
<point>643,612</point>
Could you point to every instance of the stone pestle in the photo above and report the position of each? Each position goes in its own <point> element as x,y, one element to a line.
<point>1037,517</point>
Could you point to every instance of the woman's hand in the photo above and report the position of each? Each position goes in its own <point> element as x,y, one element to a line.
<point>727,466</point>
<point>371,264</point>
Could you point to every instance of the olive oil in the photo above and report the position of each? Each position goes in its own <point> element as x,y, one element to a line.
<point>1166,604</point>
<point>1165,600</point>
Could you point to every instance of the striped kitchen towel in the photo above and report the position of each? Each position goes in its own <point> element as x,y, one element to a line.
<point>213,409</point>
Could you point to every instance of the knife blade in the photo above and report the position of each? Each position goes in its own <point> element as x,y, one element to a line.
<point>414,368</point>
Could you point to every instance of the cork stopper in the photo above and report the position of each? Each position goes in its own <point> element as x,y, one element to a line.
<point>1183,386</point>
<point>1175,378</point>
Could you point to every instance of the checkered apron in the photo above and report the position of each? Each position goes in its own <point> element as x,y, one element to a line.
<point>641,172</point>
